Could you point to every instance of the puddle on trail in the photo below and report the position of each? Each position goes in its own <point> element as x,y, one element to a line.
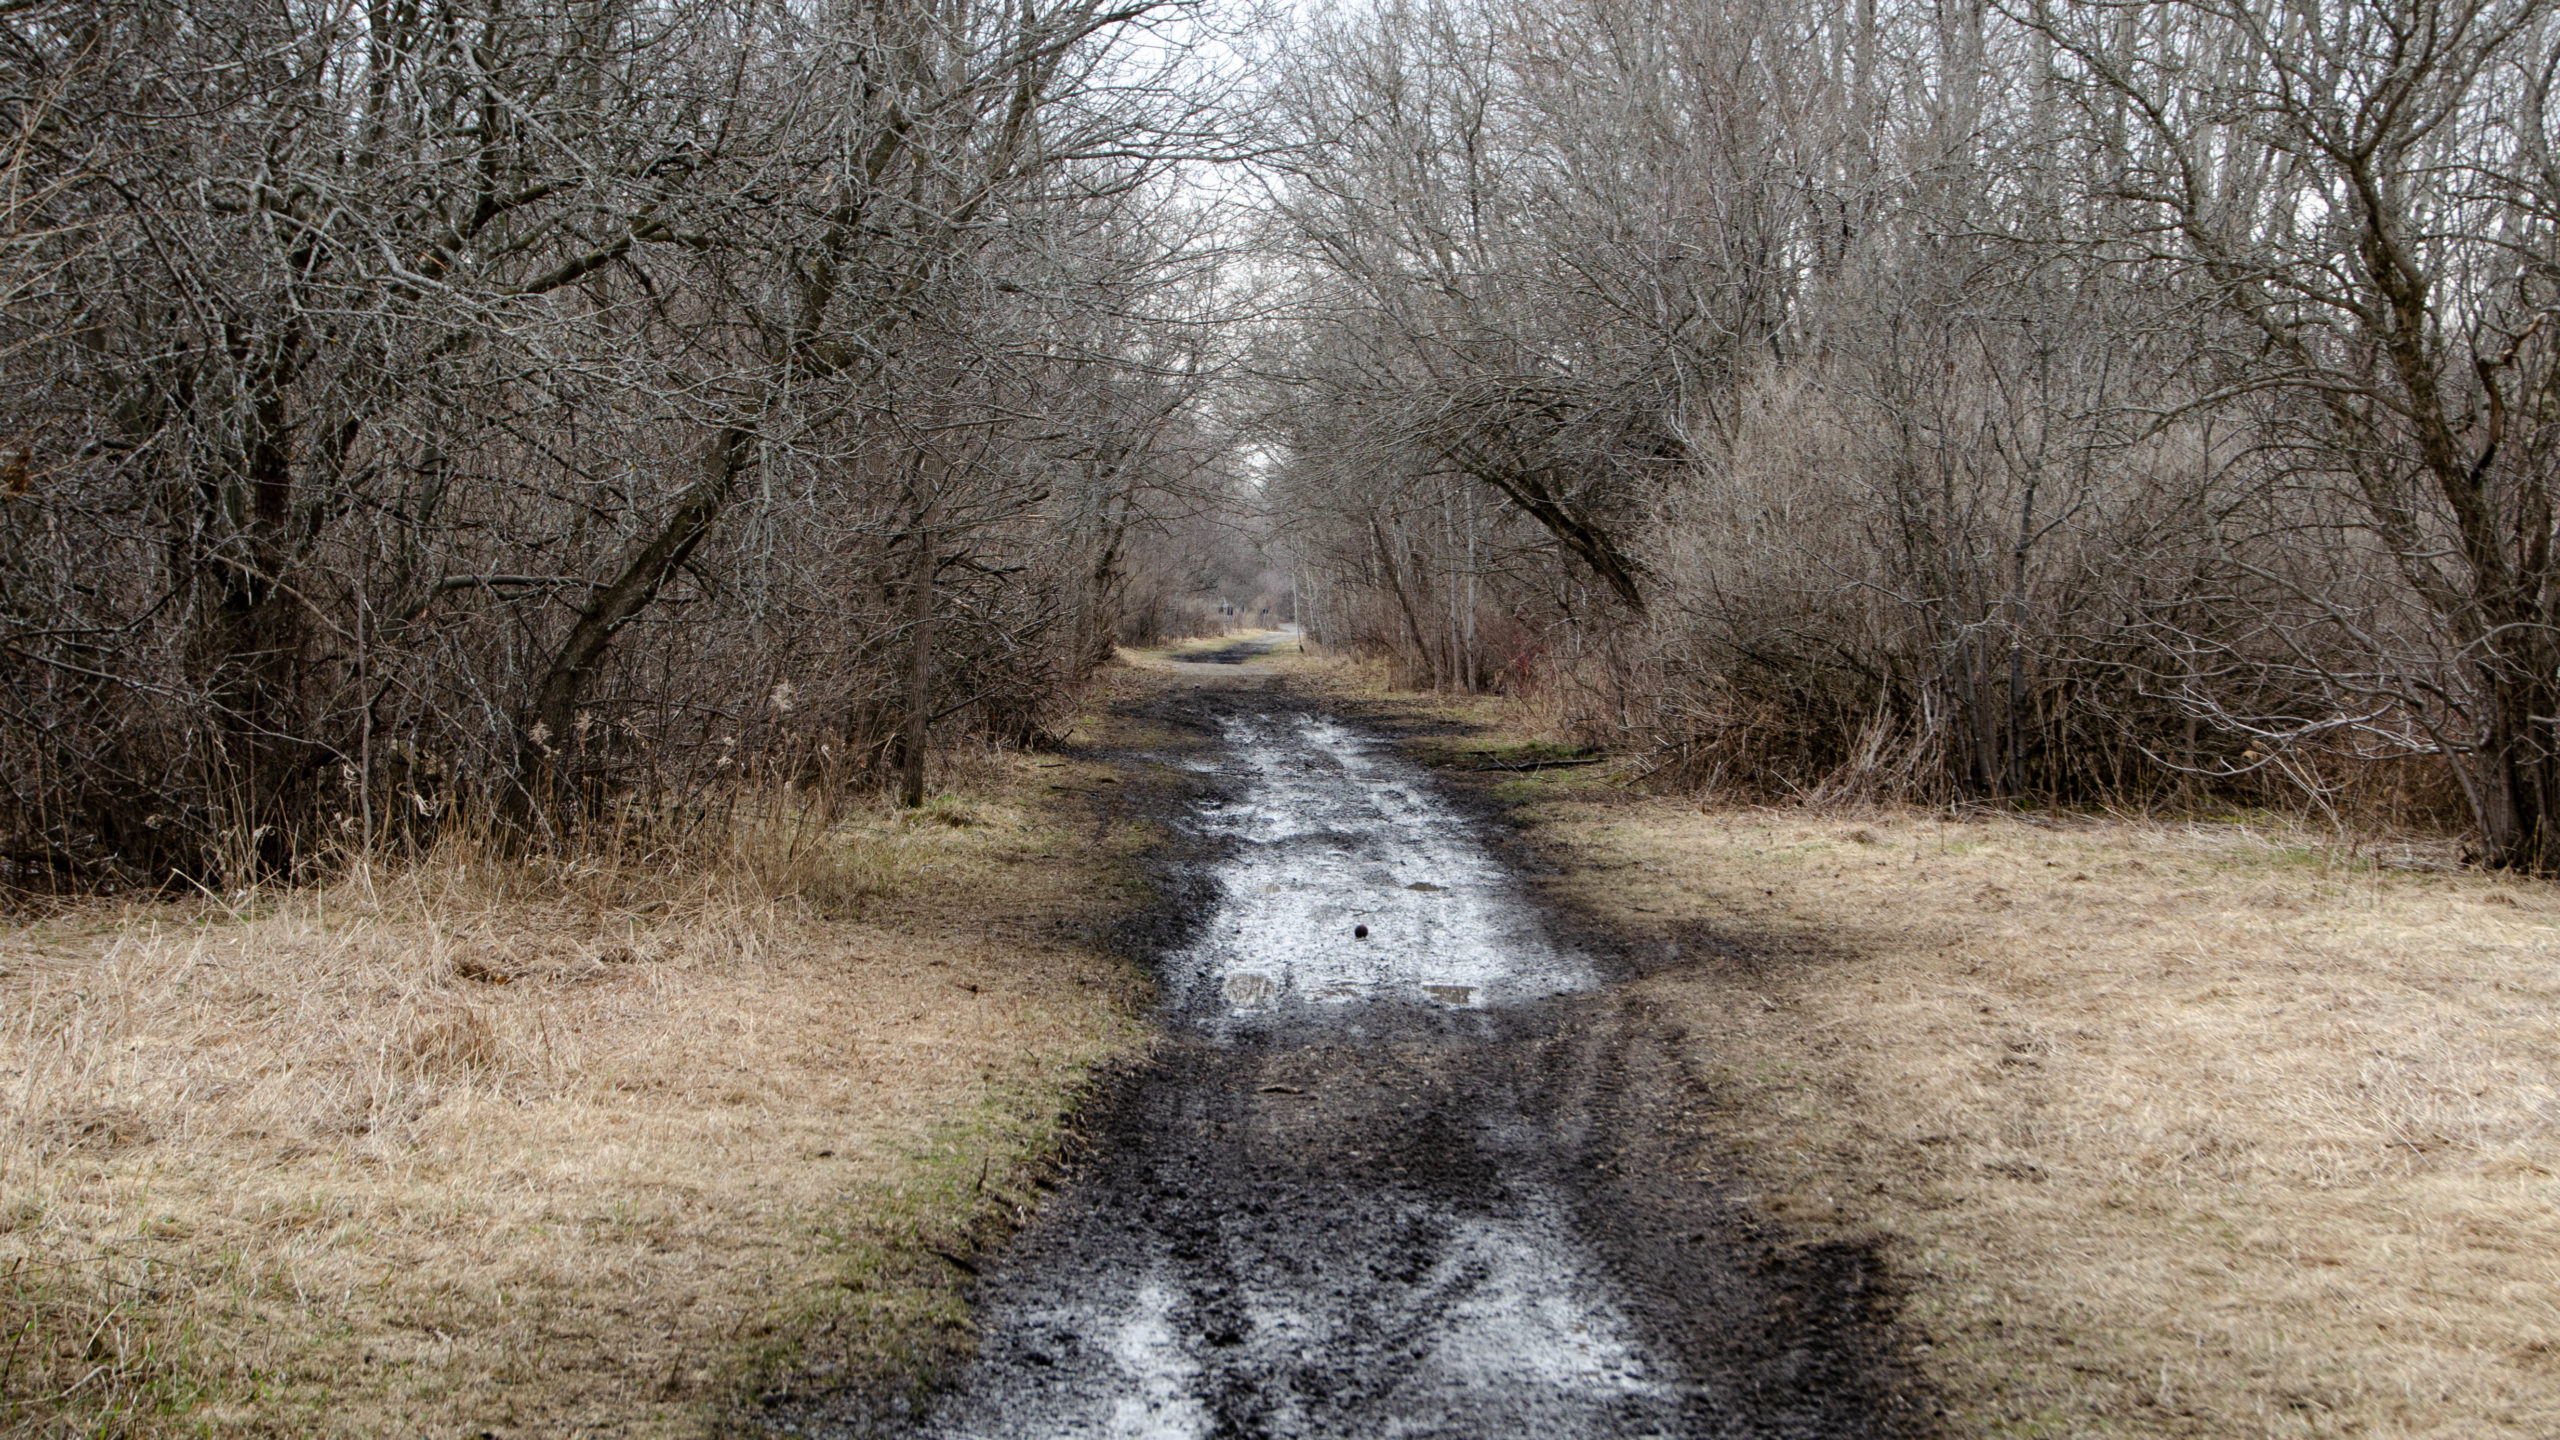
<point>1255,1258</point>
<point>1504,1333</point>
<point>1354,882</point>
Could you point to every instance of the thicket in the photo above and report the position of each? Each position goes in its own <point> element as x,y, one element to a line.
<point>548,411</point>
<point>2020,400</point>
<point>544,409</point>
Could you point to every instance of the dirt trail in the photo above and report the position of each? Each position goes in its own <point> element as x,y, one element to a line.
<point>1412,1182</point>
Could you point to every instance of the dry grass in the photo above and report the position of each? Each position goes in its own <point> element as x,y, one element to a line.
<point>482,1148</point>
<point>2175,1129</point>
<point>2171,1128</point>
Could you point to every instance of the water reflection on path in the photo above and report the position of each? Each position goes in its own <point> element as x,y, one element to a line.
<point>1340,839</point>
<point>1326,1258</point>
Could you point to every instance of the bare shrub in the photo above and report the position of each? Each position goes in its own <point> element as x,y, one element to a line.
<point>549,425</point>
<point>1953,404</point>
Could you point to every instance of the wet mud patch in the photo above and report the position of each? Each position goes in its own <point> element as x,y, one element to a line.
<point>1454,751</point>
<point>1404,1164</point>
<point>1238,653</point>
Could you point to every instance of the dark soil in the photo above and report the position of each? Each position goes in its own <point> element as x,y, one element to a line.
<point>1237,653</point>
<point>1315,1228</point>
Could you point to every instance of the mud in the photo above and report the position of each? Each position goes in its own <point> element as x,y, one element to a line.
<point>1240,652</point>
<point>1439,1180</point>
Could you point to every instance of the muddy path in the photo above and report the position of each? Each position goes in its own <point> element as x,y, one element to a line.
<point>1404,1165</point>
<point>1238,652</point>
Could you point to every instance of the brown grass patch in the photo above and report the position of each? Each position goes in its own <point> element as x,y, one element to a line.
<point>499,1148</point>
<point>2175,1129</point>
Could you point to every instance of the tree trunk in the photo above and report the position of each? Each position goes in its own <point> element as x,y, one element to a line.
<point>1404,600</point>
<point>563,687</point>
<point>255,636</point>
<point>911,743</point>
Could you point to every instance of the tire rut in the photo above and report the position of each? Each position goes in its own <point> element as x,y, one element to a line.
<point>1423,1180</point>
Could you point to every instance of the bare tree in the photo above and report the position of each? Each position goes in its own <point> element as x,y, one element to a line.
<point>391,369</point>
<point>2365,195</point>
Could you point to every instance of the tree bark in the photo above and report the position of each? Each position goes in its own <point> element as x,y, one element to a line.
<point>564,683</point>
<point>919,722</point>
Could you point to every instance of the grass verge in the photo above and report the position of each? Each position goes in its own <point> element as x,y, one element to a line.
<point>493,1148</point>
<point>2170,1128</point>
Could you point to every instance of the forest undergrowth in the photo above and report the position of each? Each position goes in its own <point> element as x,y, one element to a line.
<point>2222,1124</point>
<point>475,1144</point>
